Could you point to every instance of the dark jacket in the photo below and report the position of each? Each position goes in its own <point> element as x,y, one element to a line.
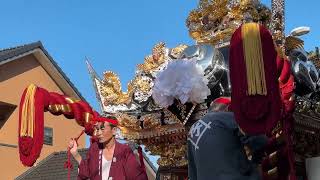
<point>216,149</point>
<point>124,164</point>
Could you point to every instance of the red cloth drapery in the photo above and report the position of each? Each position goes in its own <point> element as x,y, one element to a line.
<point>30,143</point>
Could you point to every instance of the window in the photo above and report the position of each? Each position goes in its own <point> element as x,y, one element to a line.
<point>6,110</point>
<point>48,136</point>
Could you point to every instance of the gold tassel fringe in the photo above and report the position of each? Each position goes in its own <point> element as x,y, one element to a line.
<point>28,112</point>
<point>252,48</point>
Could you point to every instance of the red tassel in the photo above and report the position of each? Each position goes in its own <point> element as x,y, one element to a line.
<point>141,158</point>
<point>68,163</point>
<point>30,148</point>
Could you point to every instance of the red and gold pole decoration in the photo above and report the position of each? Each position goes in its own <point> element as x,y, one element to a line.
<point>34,102</point>
<point>262,96</point>
<point>256,100</point>
<point>280,163</point>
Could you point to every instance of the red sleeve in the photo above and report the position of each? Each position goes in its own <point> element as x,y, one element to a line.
<point>83,169</point>
<point>132,168</point>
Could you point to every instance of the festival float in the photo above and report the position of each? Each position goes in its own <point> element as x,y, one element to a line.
<point>160,106</point>
<point>174,86</point>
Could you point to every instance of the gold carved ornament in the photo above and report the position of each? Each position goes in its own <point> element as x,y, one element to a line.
<point>153,61</point>
<point>111,90</point>
<point>216,20</point>
<point>111,86</point>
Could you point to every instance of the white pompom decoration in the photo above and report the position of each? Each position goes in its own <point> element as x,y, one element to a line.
<point>183,80</point>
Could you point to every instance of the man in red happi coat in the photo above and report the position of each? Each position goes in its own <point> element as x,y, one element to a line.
<point>107,159</point>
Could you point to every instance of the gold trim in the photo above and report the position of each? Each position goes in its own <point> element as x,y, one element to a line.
<point>87,117</point>
<point>273,158</point>
<point>66,108</point>
<point>273,173</point>
<point>71,100</point>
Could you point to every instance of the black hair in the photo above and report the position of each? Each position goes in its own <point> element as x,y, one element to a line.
<point>216,107</point>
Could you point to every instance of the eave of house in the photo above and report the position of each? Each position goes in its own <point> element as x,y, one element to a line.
<point>46,61</point>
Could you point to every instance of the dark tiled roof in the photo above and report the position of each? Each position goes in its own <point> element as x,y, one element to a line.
<point>52,167</point>
<point>9,53</point>
<point>18,50</point>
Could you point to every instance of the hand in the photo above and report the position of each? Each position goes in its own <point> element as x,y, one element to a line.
<point>74,150</point>
<point>73,147</point>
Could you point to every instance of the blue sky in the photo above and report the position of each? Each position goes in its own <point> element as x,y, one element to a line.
<point>115,35</point>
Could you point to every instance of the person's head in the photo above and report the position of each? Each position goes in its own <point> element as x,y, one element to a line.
<point>220,104</point>
<point>105,128</point>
